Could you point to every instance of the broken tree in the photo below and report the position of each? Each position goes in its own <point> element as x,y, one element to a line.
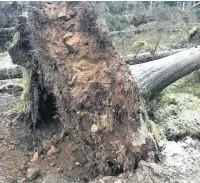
<point>65,47</point>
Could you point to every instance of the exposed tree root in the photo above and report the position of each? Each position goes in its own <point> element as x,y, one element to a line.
<point>96,99</point>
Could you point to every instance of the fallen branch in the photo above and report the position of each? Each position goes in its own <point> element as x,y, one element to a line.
<point>133,59</point>
<point>152,77</point>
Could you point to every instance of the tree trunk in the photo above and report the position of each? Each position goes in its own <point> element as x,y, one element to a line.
<point>140,58</point>
<point>154,76</point>
<point>72,61</point>
<point>134,31</point>
<point>13,71</point>
<point>7,30</point>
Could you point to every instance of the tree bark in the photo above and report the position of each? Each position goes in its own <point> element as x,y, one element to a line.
<point>154,76</point>
<point>72,61</point>
<point>140,58</point>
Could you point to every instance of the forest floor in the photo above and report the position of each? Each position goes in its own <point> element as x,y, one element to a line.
<point>21,151</point>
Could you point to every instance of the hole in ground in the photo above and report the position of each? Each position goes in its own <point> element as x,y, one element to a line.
<point>114,169</point>
<point>48,109</point>
<point>48,125</point>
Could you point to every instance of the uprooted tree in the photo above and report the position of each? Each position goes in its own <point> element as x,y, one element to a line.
<point>77,76</point>
<point>73,66</point>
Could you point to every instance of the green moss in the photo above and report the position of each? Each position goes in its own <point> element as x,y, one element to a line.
<point>155,131</point>
<point>139,43</point>
<point>24,105</point>
<point>177,110</point>
<point>189,84</point>
<point>184,124</point>
<point>15,38</point>
<point>175,104</point>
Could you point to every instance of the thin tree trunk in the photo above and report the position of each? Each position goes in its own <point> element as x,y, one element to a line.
<point>140,58</point>
<point>152,77</point>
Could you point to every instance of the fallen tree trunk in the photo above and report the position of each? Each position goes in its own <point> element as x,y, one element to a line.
<point>135,31</point>
<point>13,71</point>
<point>140,58</point>
<point>7,30</point>
<point>148,29</point>
<point>76,75</point>
<point>154,76</point>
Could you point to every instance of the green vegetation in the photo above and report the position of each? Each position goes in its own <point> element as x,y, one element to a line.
<point>155,131</point>
<point>24,105</point>
<point>177,110</point>
<point>189,84</point>
<point>161,40</point>
<point>138,45</point>
<point>182,125</point>
<point>15,38</point>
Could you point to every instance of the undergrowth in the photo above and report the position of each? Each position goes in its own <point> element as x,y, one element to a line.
<point>176,110</point>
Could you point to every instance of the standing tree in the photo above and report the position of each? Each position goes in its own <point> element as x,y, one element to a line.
<point>76,74</point>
